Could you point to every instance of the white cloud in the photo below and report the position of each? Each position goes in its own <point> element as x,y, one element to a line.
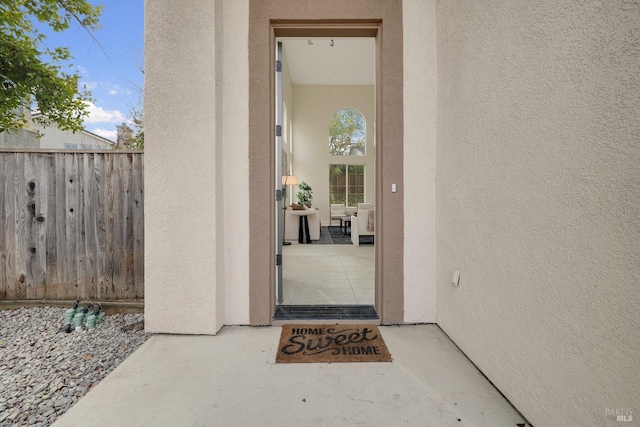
<point>109,134</point>
<point>82,70</point>
<point>114,89</point>
<point>111,89</point>
<point>100,115</point>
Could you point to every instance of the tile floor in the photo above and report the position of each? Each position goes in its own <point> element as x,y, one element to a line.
<point>328,274</point>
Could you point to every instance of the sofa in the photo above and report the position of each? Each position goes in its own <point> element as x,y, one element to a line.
<point>363,223</point>
<point>292,223</point>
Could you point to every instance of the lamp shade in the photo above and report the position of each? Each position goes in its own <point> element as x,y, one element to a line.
<point>290,180</point>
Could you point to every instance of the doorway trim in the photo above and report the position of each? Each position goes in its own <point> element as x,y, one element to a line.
<point>269,19</point>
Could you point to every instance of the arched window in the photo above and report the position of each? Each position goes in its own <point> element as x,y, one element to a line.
<point>347,130</point>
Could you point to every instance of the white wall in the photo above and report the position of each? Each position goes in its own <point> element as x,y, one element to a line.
<point>184,283</point>
<point>313,107</point>
<point>287,125</point>
<point>537,187</point>
<point>54,138</point>
<point>420,101</point>
<point>235,164</point>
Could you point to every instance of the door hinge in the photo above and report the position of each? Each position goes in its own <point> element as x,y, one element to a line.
<point>279,259</point>
<point>278,66</point>
<point>278,195</point>
<point>278,130</point>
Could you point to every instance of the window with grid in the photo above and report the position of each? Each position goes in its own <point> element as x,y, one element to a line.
<point>346,184</point>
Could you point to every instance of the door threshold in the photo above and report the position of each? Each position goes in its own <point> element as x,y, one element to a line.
<point>325,313</point>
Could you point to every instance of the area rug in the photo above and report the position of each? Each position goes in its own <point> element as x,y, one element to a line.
<point>333,236</point>
<point>325,237</point>
<point>331,344</point>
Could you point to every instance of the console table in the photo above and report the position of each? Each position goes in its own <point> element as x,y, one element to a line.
<point>303,230</point>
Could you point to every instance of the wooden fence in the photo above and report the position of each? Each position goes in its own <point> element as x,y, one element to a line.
<point>71,225</point>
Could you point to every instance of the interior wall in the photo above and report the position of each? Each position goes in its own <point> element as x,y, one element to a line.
<point>538,202</point>
<point>314,106</point>
<point>287,137</point>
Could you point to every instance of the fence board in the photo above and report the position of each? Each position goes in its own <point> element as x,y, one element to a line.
<point>24,278</point>
<point>52,281</point>
<point>62,261</point>
<point>114,217</point>
<point>100,242</point>
<point>71,225</point>
<point>81,255</point>
<point>89,223</point>
<point>10,212</point>
<point>3,220</point>
<point>127,230</point>
<point>138,225</point>
<point>71,199</point>
<point>39,189</point>
<point>109,290</point>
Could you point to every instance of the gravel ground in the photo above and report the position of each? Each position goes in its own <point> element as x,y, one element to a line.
<point>43,373</point>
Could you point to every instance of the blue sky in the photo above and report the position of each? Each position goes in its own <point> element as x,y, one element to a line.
<point>111,65</point>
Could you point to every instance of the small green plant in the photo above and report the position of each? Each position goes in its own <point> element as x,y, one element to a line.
<point>305,193</point>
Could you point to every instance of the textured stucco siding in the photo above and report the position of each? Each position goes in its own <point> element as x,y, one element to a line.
<point>22,138</point>
<point>54,138</point>
<point>183,293</point>
<point>235,165</point>
<point>538,182</point>
<point>420,101</point>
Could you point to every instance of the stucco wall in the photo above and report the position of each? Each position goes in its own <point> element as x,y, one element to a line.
<point>55,138</point>
<point>183,217</point>
<point>191,192</point>
<point>235,166</point>
<point>420,100</point>
<point>538,202</point>
<point>313,107</point>
<point>22,138</point>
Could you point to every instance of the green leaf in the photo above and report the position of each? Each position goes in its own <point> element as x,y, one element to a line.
<point>347,133</point>
<point>25,74</point>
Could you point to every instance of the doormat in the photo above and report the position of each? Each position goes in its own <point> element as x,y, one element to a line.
<point>331,344</point>
<point>325,313</point>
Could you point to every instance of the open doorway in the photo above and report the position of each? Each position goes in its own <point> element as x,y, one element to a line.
<point>275,19</point>
<point>325,140</point>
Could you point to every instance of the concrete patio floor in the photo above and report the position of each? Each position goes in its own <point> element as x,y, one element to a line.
<point>231,380</point>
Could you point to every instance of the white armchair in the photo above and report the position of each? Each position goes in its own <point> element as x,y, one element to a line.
<point>363,224</point>
<point>337,211</point>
